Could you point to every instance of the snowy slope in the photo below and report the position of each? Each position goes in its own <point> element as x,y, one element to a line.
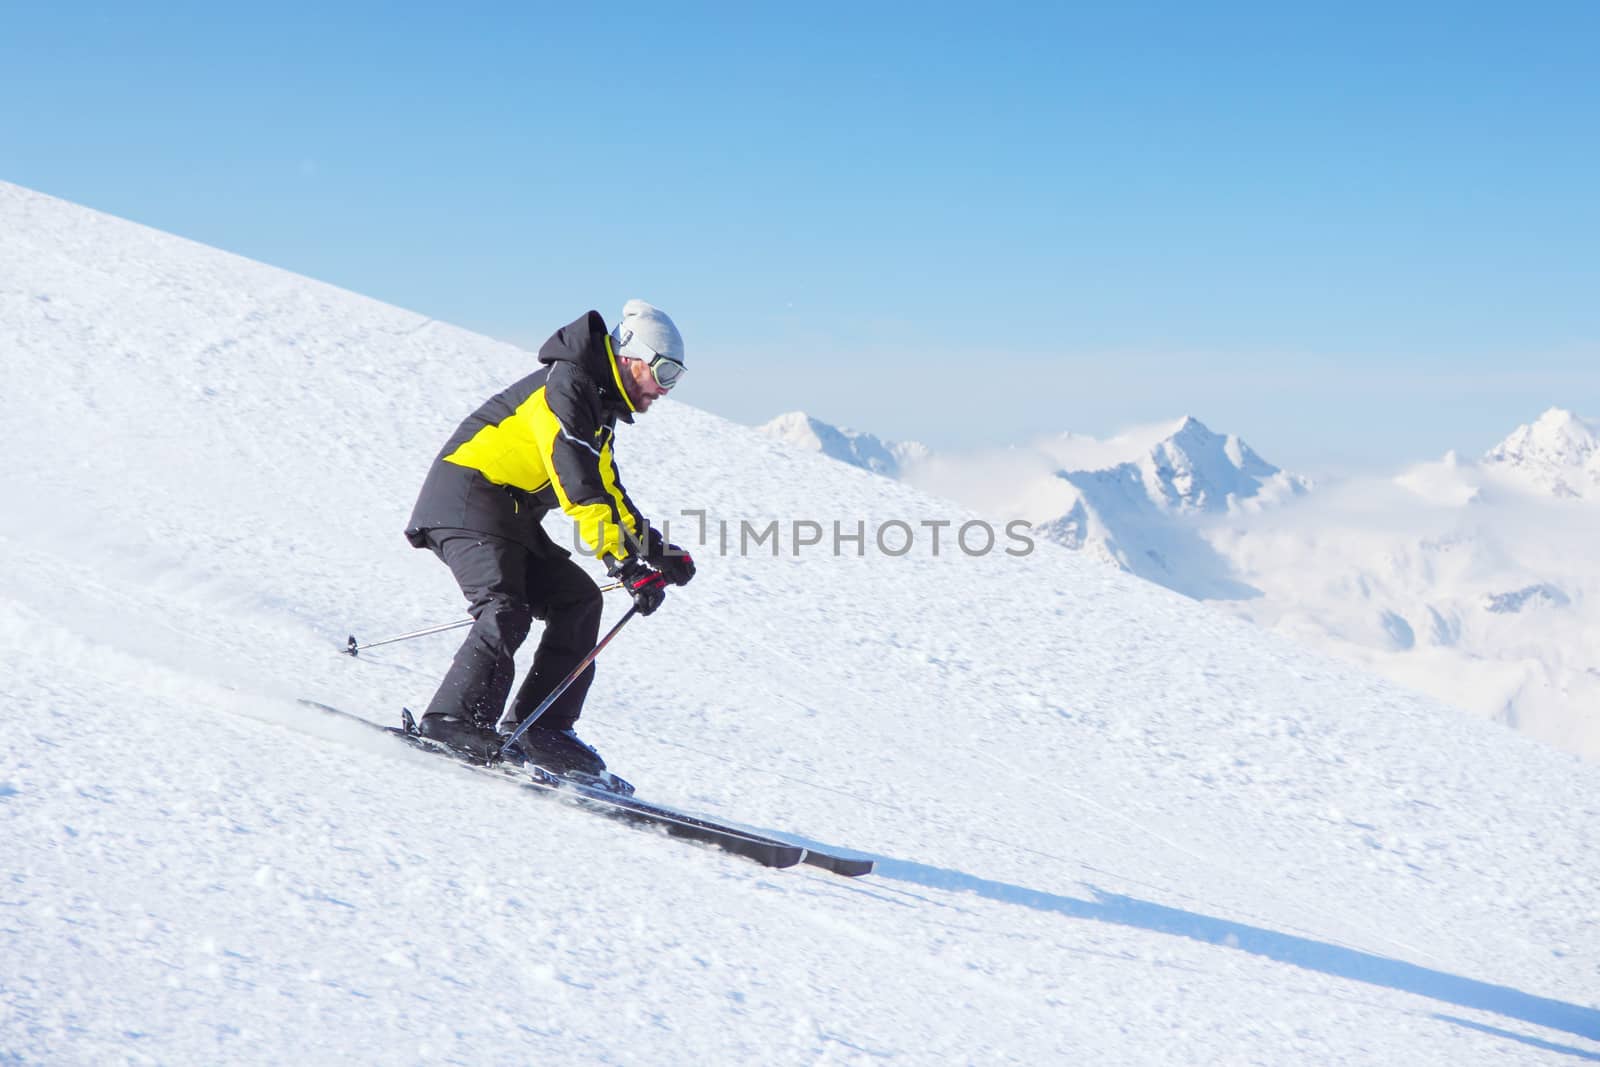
<point>1115,826</point>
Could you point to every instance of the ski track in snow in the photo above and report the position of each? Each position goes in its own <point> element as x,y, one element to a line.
<point>1113,825</point>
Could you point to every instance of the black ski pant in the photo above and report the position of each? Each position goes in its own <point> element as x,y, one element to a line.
<point>507,586</point>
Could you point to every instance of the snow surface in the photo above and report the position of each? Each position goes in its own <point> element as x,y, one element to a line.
<point>1114,825</point>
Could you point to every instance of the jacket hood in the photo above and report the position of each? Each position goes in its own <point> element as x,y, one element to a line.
<point>586,342</point>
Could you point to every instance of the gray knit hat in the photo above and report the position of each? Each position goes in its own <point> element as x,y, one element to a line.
<point>646,332</point>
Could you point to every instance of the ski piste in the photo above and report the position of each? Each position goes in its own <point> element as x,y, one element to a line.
<point>768,851</point>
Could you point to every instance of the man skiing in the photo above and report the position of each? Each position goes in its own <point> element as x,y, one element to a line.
<point>543,443</point>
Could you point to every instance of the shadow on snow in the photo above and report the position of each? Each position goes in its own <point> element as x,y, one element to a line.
<point>1302,952</point>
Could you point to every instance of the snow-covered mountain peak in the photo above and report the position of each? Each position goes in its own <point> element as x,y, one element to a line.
<point>1557,453</point>
<point>1183,462</point>
<point>864,450</point>
<point>1129,499</point>
<point>1195,469</point>
<point>1190,425</point>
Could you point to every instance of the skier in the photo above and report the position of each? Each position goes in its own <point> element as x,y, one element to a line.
<point>545,442</point>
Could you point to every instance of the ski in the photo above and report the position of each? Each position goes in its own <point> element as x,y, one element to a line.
<point>845,865</point>
<point>768,851</point>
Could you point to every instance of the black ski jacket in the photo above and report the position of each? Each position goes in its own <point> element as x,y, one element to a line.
<point>541,444</point>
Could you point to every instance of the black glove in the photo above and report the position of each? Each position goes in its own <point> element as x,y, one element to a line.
<point>674,563</point>
<point>645,584</point>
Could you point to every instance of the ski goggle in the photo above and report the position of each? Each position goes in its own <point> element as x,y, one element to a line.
<point>665,370</point>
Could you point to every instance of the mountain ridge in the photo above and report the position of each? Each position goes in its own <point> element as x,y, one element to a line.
<point>1449,585</point>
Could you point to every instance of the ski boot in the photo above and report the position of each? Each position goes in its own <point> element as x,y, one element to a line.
<point>462,735</point>
<point>563,755</point>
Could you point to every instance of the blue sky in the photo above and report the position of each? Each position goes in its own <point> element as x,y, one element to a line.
<point>1356,234</point>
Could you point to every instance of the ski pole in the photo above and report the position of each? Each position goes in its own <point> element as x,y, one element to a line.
<point>583,665</point>
<point>355,648</point>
